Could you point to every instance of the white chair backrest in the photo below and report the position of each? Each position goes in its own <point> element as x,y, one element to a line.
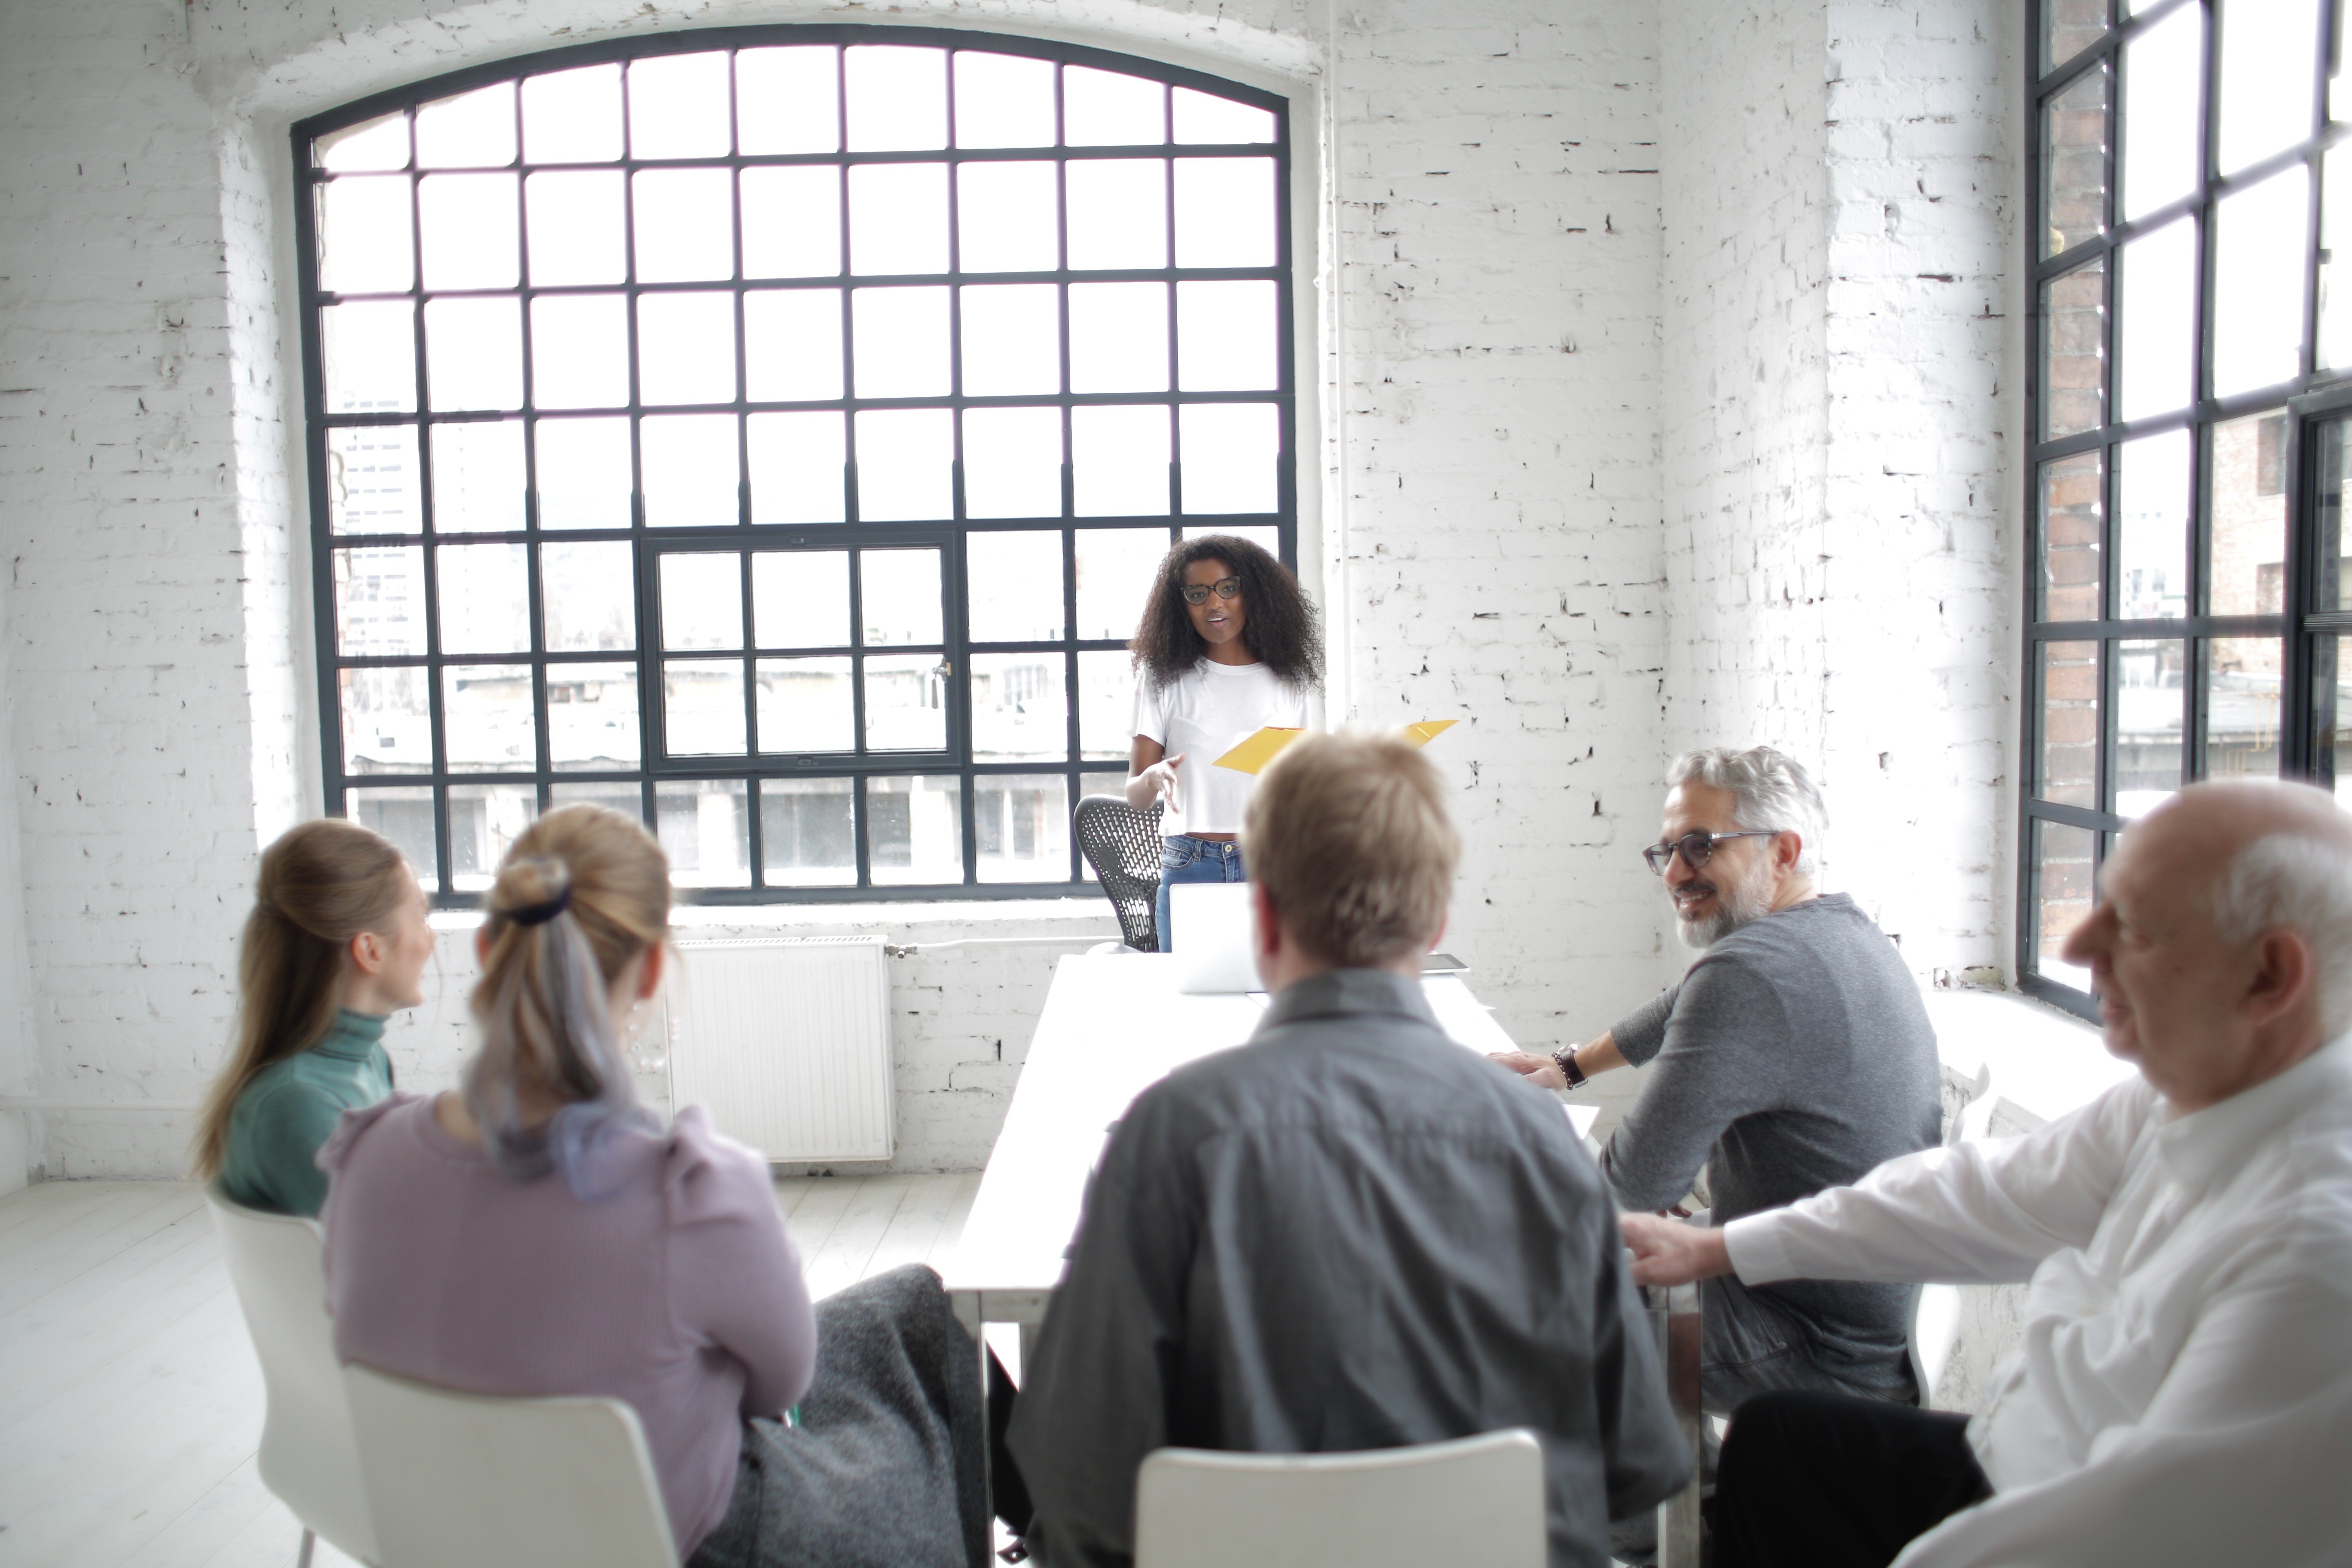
<point>465,1481</point>
<point>308,1458</point>
<point>1475,1503</point>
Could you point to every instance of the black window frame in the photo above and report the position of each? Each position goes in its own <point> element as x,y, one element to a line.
<point>652,542</point>
<point>2300,626</point>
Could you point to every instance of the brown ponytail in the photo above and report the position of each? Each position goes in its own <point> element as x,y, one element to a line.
<point>321,884</point>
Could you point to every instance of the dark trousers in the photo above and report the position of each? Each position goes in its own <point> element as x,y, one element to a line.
<point>1827,1480</point>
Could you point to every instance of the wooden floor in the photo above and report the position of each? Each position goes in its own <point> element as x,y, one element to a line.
<point>130,1400</point>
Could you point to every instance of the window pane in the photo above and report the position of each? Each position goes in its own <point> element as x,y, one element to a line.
<point>1111,109</point>
<point>788,100</point>
<point>1014,580</point>
<point>583,473</point>
<point>573,117</point>
<point>478,482</point>
<point>2073,383</point>
<point>473,352</point>
<point>588,594</point>
<point>702,707</point>
<point>805,705</point>
<point>375,144</point>
<point>2075,163</point>
<point>404,816</point>
<point>800,598</point>
<point>791,344</point>
<point>791,222</point>
<point>1012,340</point>
<point>2150,687</point>
<point>2063,871</point>
<point>2152,536</point>
<point>1116,566</point>
<point>1012,462</point>
<point>900,593</point>
<point>1119,212</point>
<point>575,227</point>
<point>2269,48</point>
<point>690,470</point>
<point>1007,218</point>
<point>1225,214</point>
<point>706,832</point>
<point>2258,292</point>
<point>470,238</point>
<point>799,464</point>
<point>2332,591</point>
<point>1106,703</point>
<point>484,822</point>
<point>2157,285</point>
<point>1266,539</point>
<point>1021,825</point>
<point>899,341</point>
<point>2069,725</point>
<point>1118,337</point>
<point>1226,336</point>
<point>2247,573</point>
<point>370,354</point>
<point>897,97</point>
<point>807,833</point>
<point>686,348</point>
<point>2159,120</point>
<point>1119,460</point>
<point>363,236</point>
<point>702,600</point>
<point>1003,100</point>
<point>2242,707</point>
<point>387,719</point>
<point>472,130</point>
<point>678,106</point>
<point>1203,119</point>
<point>1229,454</point>
<point>371,481</point>
<point>914,829</point>
<point>485,599</point>
<point>2331,701</point>
<point>592,719</point>
<point>685,225</point>
<point>899,217</point>
<point>380,601</point>
<point>2070,26</point>
<point>1020,708</point>
<point>2335,344</point>
<point>906,702</point>
<point>2074,509</point>
<point>579,351</point>
<point>905,460</point>
<point>487,709</point>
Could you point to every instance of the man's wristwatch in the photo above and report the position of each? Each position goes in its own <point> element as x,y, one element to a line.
<point>1565,1058</point>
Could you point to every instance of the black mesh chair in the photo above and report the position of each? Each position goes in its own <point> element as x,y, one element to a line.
<point>1122,845</point>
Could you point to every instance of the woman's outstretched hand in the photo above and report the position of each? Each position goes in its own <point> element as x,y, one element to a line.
<point>1668,1252</point>
<point>1162,777</point>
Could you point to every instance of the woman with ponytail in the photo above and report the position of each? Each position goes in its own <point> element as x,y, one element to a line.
<point>337,940</point>
<point>539,1233</point>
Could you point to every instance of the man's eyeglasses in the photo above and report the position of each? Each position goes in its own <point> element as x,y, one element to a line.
<point>1227,588</point>
<point>1696,848</point>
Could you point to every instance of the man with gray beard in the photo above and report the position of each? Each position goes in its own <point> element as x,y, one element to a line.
<point>1794,1054</point>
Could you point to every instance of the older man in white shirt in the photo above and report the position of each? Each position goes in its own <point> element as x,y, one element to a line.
<point>2184,1391</point>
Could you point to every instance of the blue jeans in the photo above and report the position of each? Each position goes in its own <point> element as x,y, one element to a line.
<point>1184,858</point>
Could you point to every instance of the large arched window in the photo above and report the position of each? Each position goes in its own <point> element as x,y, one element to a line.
<point>771,431</point>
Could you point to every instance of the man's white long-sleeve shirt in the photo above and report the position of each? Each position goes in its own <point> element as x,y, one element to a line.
<point>2184,1390</point>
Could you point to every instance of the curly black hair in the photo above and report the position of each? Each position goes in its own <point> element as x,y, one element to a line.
<point>1279,626</point>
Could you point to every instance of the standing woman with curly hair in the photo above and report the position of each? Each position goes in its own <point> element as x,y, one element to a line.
<point>1228,645</point>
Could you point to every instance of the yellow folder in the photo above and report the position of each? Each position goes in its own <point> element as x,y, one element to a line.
<point>1254,754</point>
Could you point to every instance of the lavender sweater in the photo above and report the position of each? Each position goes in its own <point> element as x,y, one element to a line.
<point>680,1294</point>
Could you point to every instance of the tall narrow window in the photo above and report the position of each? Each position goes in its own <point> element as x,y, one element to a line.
<point>770,432</point>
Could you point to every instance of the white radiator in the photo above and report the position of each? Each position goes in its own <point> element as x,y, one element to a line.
<point>787,1041</point>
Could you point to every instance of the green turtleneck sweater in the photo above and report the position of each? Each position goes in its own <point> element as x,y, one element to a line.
<point>290,1108</point>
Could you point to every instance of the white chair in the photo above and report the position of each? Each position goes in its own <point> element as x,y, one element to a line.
<point>466,1480</point>
<point>1475,1503</point>
<point>1936,1308</point>
<point>308,1458</point>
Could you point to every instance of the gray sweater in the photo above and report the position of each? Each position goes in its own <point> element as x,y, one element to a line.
<point>1794,1055</point>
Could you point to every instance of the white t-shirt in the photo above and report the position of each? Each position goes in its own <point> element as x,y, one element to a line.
<point>1202,715</point>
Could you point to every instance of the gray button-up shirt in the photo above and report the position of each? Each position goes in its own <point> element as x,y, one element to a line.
<point>1349,1233</point>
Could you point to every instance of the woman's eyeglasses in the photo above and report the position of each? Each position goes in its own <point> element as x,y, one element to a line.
<point>1696,848</point>
<point>1227,588</point>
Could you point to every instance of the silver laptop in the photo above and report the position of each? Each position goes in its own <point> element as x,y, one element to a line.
<point>1214,950</point>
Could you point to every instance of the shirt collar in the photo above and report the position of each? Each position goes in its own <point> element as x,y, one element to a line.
<point>1339,992</point>
<point>2202,1145</point>
<point>352,1037</point>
